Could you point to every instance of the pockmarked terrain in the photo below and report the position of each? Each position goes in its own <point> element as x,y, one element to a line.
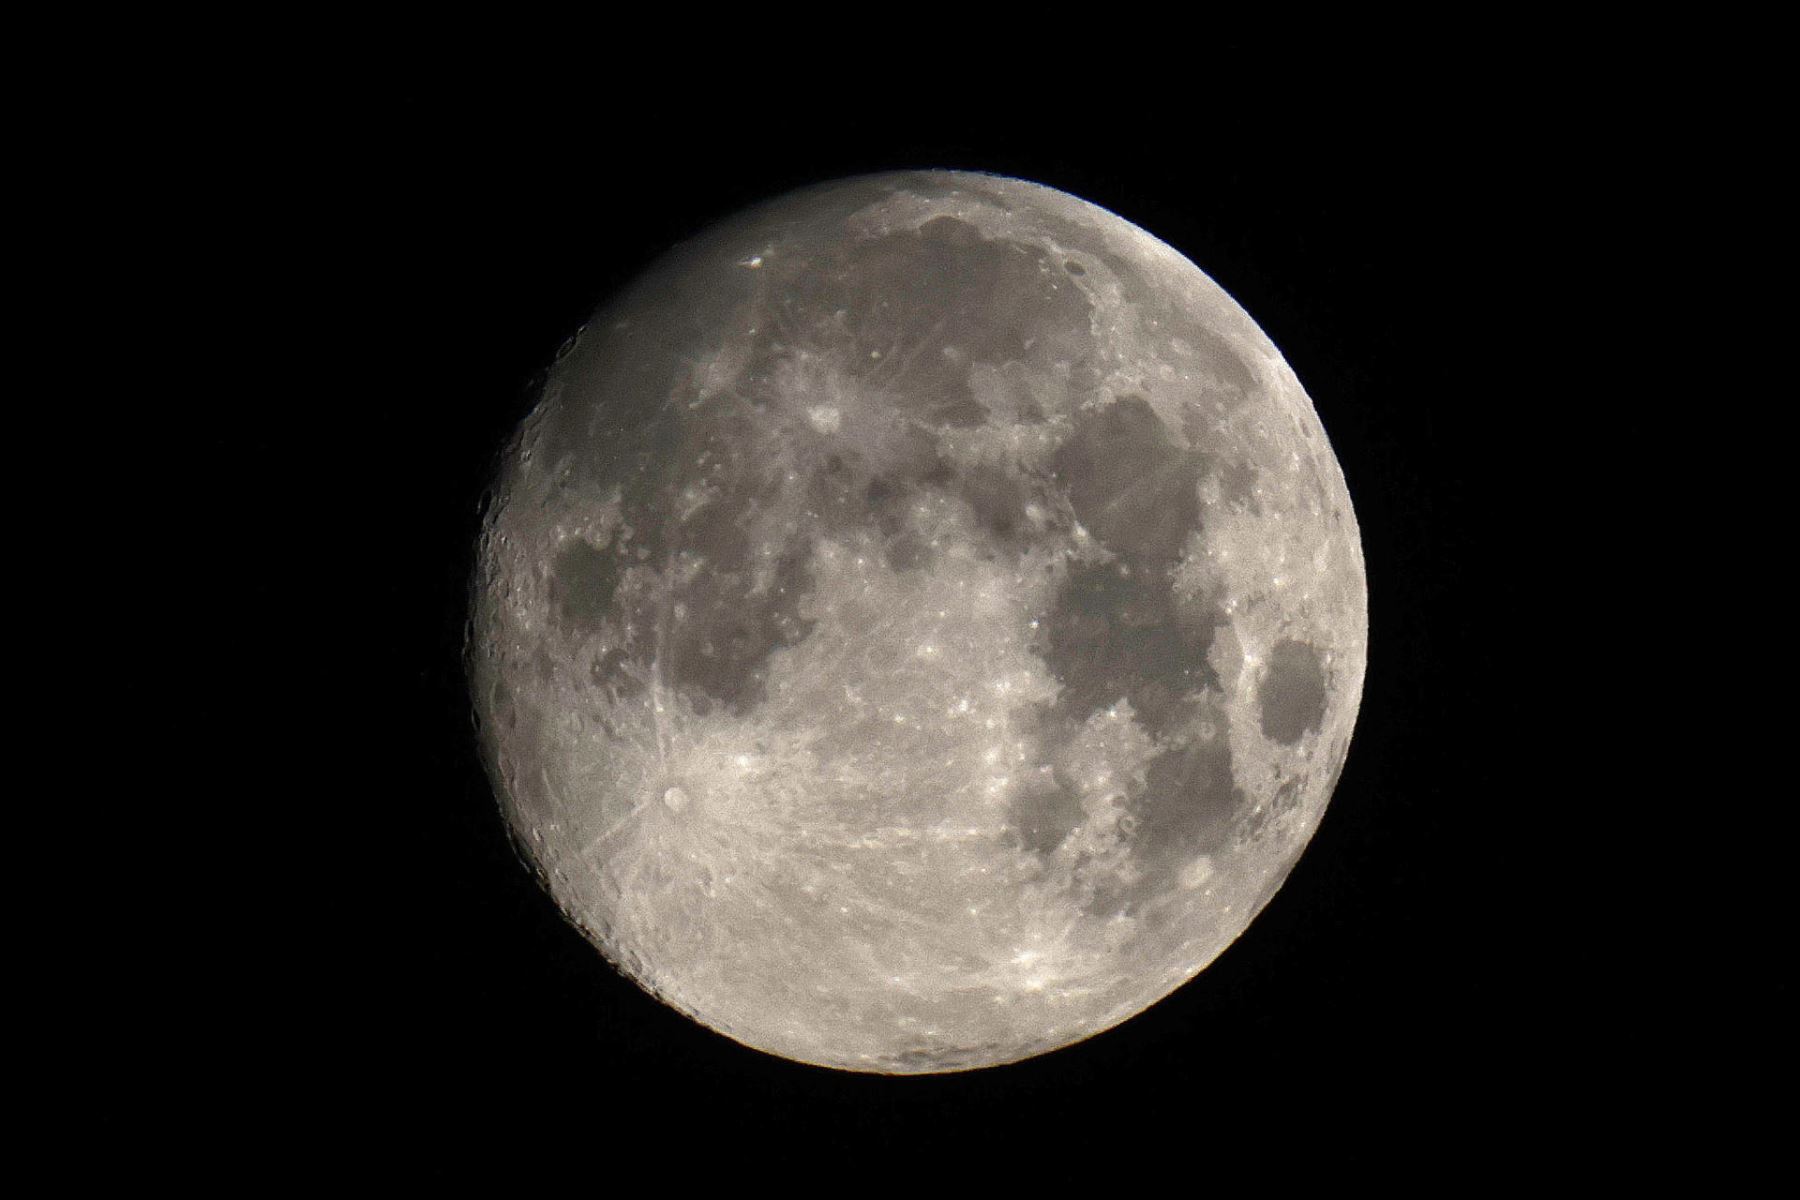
<point>920,625</point>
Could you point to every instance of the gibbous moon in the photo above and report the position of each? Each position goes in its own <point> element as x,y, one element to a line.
<point>919,626</point>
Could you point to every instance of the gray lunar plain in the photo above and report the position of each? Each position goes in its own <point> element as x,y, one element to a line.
<point>920,625</point>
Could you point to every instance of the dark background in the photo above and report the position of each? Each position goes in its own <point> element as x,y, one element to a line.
<point>1380,225</point>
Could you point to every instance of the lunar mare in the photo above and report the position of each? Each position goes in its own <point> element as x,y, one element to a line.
<point>920,625</point>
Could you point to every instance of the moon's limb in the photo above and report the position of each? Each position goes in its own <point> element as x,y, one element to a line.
<point>921,624</point>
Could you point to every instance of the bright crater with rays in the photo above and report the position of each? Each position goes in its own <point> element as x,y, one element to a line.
<point>920,625</point>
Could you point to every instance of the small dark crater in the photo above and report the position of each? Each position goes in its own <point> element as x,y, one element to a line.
<point>1131,484</point>
<point>1074,268</point>
<point>582,582</point>
<point>1293,693</point>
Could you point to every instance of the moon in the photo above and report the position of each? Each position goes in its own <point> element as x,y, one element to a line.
<point>920,624</point>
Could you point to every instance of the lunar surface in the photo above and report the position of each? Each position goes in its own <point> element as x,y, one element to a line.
<point>920,625</point>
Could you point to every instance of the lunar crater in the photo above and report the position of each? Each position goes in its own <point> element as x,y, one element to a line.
<point>918,622</point>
